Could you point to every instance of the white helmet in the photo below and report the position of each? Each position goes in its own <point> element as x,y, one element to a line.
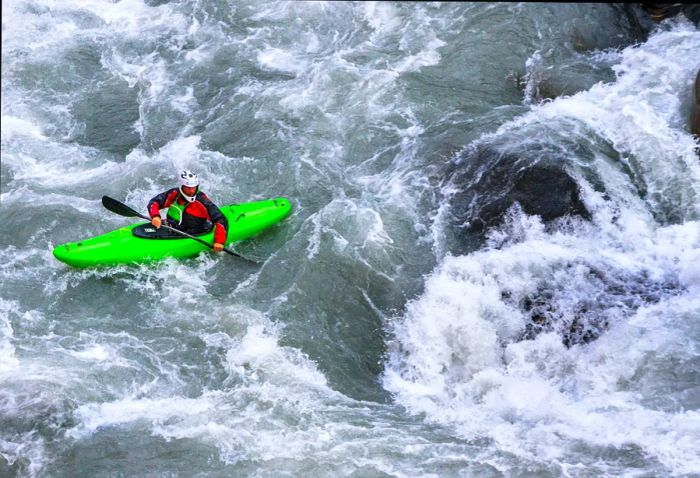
<point>190,180</point>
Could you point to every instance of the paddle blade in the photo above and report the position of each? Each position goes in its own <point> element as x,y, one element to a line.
<point>118,207</point>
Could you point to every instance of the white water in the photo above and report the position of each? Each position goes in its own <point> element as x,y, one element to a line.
<point>454,357</point>
<point>232,369</point>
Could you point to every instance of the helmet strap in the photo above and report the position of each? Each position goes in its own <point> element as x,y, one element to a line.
<point>189,198</point>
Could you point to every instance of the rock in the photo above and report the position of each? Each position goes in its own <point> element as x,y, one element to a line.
<point>638,21</point>
<point>661,11</point>
<point>491,182</point>
<point>610,294</point>
<point>692,12</point>
<point>643,17</point>
<point>695,112</point>
<point>547,191</point>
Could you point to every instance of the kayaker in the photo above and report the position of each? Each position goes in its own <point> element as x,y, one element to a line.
<point>189,210</point>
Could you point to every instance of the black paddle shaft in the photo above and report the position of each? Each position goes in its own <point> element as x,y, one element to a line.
<point>124,210</point>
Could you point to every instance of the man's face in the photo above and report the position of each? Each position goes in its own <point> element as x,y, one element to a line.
<point>189,190</point>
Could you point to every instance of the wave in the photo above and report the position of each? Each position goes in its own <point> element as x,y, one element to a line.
<point>464,353</point>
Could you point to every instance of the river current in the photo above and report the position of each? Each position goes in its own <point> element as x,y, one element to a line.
<point>372,340</point>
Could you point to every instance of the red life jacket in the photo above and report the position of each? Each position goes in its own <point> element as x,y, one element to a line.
<point>195,217</point>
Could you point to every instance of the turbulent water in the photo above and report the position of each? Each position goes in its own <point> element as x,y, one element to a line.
<point>371,341</point>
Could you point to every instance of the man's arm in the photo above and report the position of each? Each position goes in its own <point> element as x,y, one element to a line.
<point>162,200</point>
<point>218,218</point>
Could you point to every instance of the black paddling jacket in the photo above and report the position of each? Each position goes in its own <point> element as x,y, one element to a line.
<point>196,216</point>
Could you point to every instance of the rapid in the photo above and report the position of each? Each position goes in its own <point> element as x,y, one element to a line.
<point>376,338</point>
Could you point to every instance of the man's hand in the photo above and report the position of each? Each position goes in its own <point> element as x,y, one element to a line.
<point>156,221</point>
<point>218,247</point>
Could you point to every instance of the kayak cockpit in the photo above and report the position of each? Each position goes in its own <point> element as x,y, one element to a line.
<point>147,231</point>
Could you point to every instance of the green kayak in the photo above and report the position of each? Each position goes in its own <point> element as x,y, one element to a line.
<point>141,242</point>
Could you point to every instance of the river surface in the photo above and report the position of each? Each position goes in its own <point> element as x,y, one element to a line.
<point>370,341</point>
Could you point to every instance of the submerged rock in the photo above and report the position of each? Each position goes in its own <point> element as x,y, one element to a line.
<point>491,182</point>
<point>535,90</point>
<point>547,191</point>
<point>606,295</point>
<point>695,114</point>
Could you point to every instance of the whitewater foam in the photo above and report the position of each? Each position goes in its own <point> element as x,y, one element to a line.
<point>456,354</point>
<point>8,361</point>
<point>349,110</point>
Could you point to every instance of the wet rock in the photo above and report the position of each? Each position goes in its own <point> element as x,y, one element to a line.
<point>643,17</point>
<point>547,191</point>
<point>535,84</point>
<point>543,90</point>
<point>637,20</point>
<point>579,42</point>
<point>692,12</point>
<point>661,11</point>
<point>605,295</point>
<point>581,328</point>
<point>695,112</point>
<point>488,182</point>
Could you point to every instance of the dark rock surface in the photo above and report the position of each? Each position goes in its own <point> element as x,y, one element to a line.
<point>644,17</point>
<point>661,11</point>
<point>610,294</point>
<point>487,182</point>
<point>547,191</point>
<point>695,114</point>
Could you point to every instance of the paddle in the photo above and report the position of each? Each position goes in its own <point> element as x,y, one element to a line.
<point>124,210</point>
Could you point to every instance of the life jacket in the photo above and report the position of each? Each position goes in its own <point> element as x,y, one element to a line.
<point>192,217</point>
<point>176,212</point>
